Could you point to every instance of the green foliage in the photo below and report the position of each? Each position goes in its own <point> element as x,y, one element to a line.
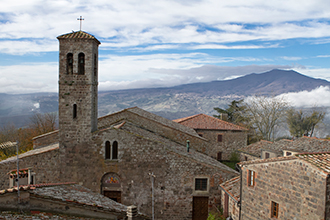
<point>230,164</point>
<point>303,123</point>
<point>234,112</point>
<point>215,216</point>
<point>39,124</point>
<point>234,157</point>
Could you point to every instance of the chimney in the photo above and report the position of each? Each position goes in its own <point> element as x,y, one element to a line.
<point>132,212</point>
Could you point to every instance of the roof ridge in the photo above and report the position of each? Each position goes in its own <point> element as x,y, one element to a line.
<point>186,118</point>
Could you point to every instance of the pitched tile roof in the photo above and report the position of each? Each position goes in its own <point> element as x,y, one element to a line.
<point>31,153</point>
<point>202,121</point>
<point>303,144</point>
<point>78,35</point>
<point>320,160</point>
<point>232,188</point>
<point>175,148</point>
<point>73,193</point>
<point>152,117</point>
<point>255,149</point>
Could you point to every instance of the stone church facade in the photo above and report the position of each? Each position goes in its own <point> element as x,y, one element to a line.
<point>132,156</point>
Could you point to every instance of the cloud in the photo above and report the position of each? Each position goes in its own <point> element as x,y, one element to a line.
<point>185,72</point>
<point>29,78</point>
<point>318,97</point>
<point>291,58</point>
<point>127,24</point>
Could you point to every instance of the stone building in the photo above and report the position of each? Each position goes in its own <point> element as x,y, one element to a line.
<point>266,149</point>
<point>253,151</point>
<point>132,156</point>
<point>224,137</point>
<point>230,197</point>
<point>293,187</point>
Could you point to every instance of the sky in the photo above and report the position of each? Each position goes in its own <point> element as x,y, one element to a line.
<point>160,43</point>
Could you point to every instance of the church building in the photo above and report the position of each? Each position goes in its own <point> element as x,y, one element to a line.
<point>132,156</point>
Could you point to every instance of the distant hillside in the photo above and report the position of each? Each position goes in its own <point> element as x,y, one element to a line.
<point>173,102</point>
<point>203,97</point>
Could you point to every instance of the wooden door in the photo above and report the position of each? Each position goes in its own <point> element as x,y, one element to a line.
<point>219,156</point>
<point>226,206</point>
<point>200,208</point>
<point>114,195</point>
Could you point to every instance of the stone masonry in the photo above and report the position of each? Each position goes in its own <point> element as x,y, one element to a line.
<point>298,187</point>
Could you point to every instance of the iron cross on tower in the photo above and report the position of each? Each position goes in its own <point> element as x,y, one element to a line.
<point>80,19</point>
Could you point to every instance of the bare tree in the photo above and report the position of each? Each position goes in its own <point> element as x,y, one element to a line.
<point>43,123</point>
<point>265,113</point>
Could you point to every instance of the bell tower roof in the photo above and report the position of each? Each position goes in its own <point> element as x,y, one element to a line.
<point>78,35</point>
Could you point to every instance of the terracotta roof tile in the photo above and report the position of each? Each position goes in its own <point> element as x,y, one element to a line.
<point>321,160</point>
<point>78,35</point>
<point>232,187</point>
<point>202,121</point>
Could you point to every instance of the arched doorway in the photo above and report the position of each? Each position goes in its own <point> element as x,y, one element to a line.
<point>111,186</point>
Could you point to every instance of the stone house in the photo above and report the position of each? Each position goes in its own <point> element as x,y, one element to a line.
<point>253,151</point>
<point>224,137</point>
<point>292,187</point>
<point>132,156</point>
<point>266,149</point>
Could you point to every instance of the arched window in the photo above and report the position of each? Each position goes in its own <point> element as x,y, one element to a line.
<point>107,150</point>
<point>81,64</point>
<point>69,66</point>
<point>115,150</point>
<point>74,113</point>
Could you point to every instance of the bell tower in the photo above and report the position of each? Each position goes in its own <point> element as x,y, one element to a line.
<point>78,81</point>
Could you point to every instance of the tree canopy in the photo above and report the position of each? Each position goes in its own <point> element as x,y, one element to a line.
<point>234,112</point>
<point>303,122</point>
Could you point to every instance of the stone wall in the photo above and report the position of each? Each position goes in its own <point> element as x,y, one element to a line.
<point>233,208</point>
<point>139,155</point>
<point>45,165</point>
<point>176,133</point>
<point>247,157</point>
<point>231,142</point>
<point>327,205</point>
<point>295,185</point>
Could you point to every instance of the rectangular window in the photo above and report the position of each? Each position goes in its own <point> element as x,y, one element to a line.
<point>219,137</point>
<point>288,153</point>
<point>266,155</point>
<point>251,178</point>
<point>274,211</point>
<point>201,184</point>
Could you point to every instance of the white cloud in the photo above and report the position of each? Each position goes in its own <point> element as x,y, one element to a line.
<point>318,97</point>
<point>29,78</point>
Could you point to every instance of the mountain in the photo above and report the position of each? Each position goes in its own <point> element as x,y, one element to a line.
<point>171,102</point>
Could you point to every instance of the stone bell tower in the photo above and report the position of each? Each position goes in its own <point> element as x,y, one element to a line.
<point>78,81</point>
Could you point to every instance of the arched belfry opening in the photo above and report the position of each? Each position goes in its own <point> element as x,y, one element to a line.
<point>111,186</point>
<point>69,66</point>
<point>81,64</point>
